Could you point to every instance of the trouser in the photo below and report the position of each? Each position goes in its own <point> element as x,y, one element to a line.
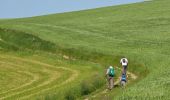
<point>124,69</point>
<point>122,83</point>
<point>110,82</point>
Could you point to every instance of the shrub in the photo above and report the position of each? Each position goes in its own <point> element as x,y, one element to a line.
<point>92,84</point>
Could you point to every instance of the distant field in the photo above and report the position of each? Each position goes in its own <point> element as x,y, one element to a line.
<point>64,56</point>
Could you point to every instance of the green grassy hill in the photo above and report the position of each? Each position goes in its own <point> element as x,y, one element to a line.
<point>77,47</point>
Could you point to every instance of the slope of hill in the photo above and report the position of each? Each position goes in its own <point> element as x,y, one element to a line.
<point>93,38</point>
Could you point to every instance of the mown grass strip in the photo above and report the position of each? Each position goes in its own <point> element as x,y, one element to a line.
<point>74,72</point>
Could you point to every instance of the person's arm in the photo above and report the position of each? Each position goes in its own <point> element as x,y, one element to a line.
<point>120,61</point>
<point>107,72</point>
<point>126,60</point>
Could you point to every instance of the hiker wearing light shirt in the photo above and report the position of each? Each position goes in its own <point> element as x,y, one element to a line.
<point>124,63</point>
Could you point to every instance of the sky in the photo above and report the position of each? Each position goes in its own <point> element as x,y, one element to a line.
<point>29,8</point>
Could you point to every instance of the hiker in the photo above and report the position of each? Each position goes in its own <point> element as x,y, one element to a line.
<point>124,63</point>
<point>110,77</point>
<point>123,80</point>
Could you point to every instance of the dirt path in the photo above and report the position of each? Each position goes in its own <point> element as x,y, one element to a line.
<point>131,75</point>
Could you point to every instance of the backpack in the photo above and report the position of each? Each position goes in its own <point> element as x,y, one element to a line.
<point>111,72</point>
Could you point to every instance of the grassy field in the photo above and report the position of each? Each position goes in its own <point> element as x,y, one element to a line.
<point>63,56</point>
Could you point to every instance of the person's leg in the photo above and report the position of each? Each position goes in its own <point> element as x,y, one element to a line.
<point>123,83</point>
<point>108,82</point>
<point>111,83</point>
<point>124,69</point>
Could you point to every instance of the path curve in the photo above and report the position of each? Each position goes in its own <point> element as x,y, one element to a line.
<point>33,80</point>
<point>130,74</point>
<point>71,78</point>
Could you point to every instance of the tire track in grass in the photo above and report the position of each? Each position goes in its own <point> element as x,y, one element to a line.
<point>33,80</point>
<point>133,77</point>
<point>73,76</point>
<point>44,83</point>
